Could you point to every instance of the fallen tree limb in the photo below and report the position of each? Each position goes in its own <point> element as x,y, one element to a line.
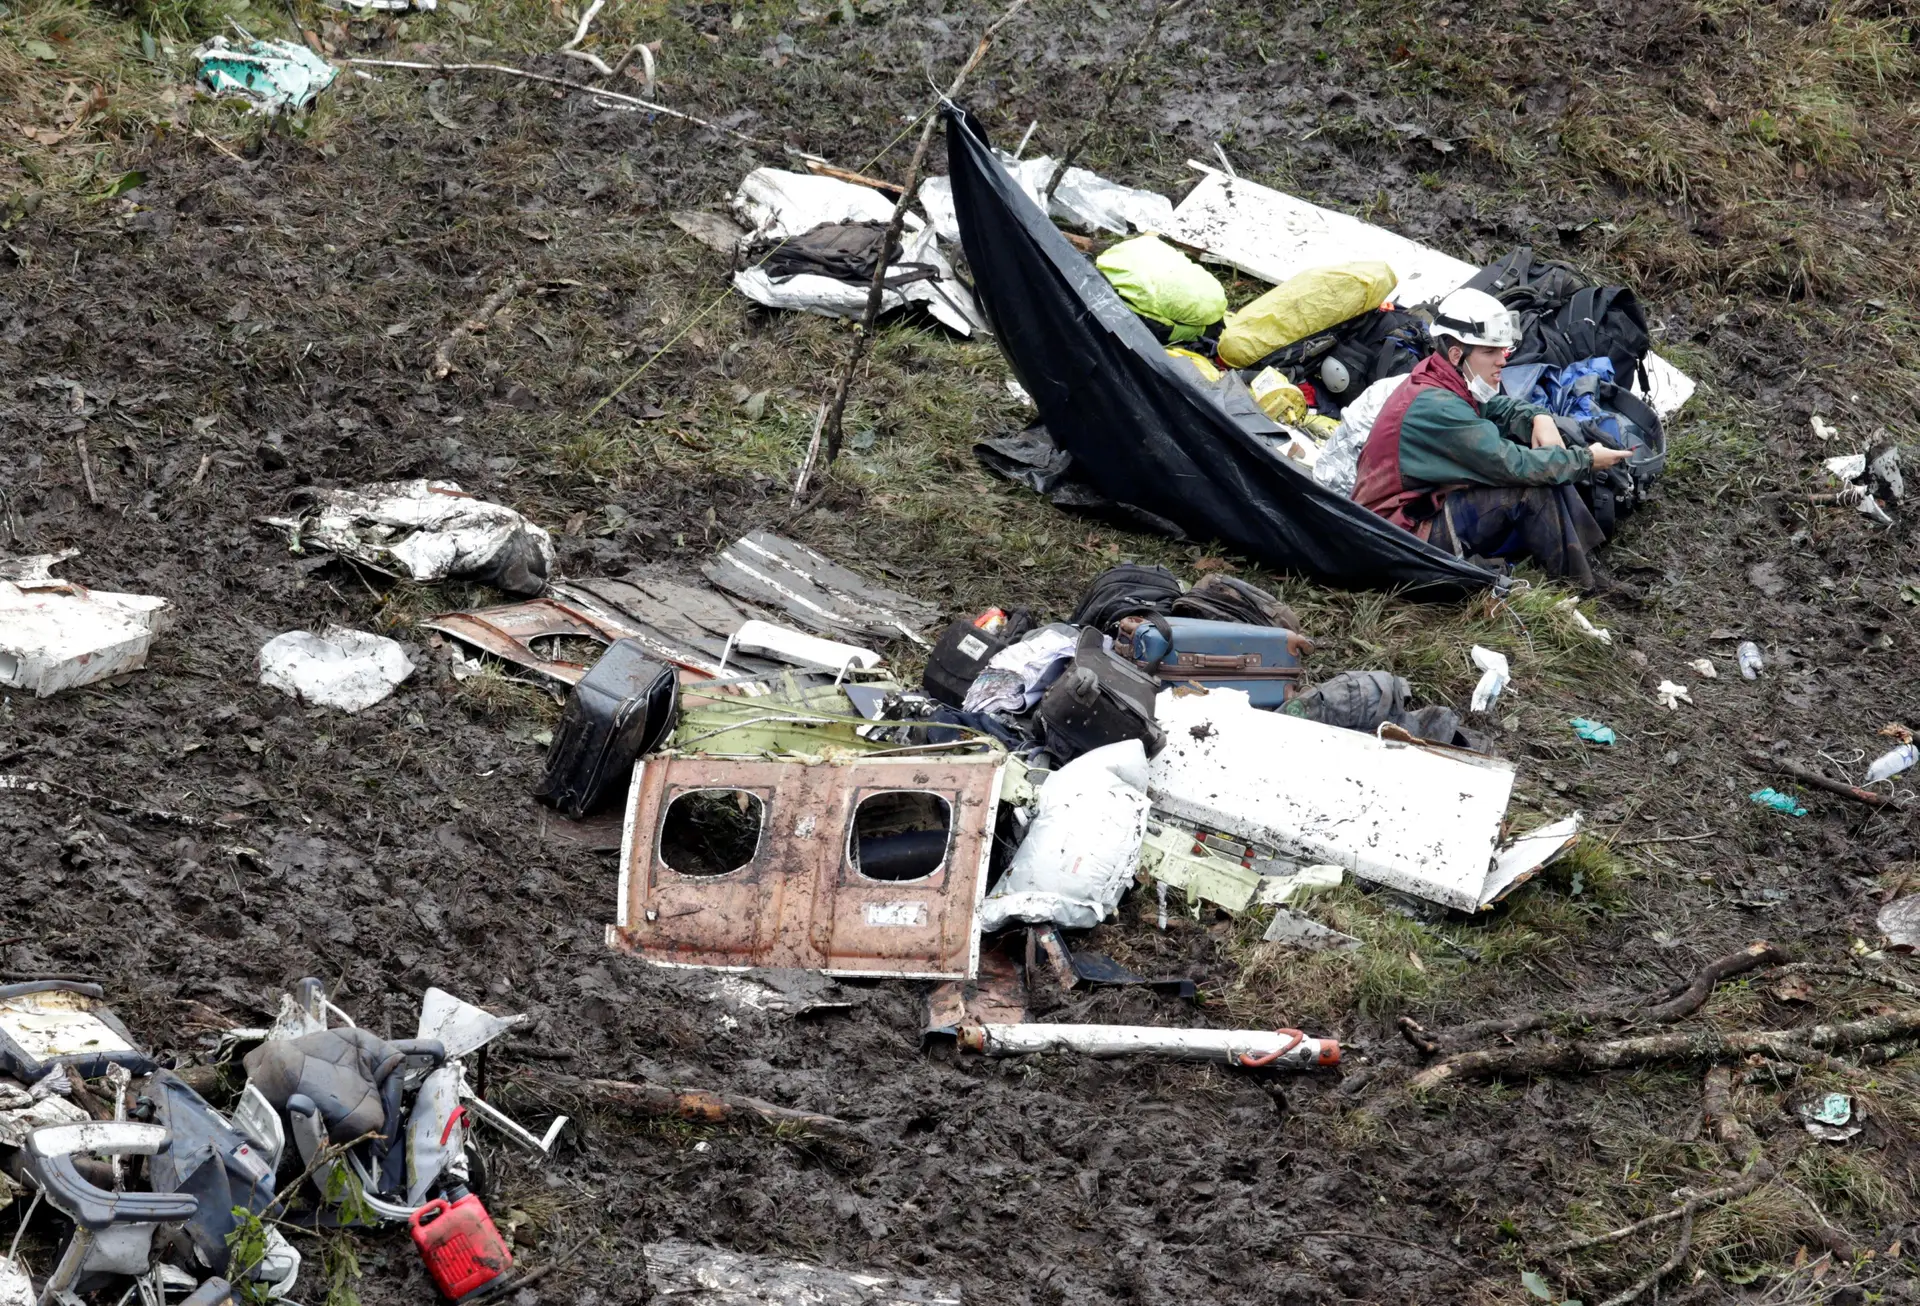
<point>443,354</point>
<point>1585,1056</point>
<point>1806,776</point>
<point>1893,982</point>
<point>657,1100</point>
<point>1689,1000</point>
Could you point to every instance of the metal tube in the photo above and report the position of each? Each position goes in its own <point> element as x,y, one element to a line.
<point>1246,1047</point>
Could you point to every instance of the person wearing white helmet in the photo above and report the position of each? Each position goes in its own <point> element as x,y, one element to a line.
<point>1475,471</point>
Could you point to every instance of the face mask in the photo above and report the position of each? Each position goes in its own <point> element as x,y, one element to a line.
<point>1479,389</point>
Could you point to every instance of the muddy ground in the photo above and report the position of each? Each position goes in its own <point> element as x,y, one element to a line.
<point>258,315</point>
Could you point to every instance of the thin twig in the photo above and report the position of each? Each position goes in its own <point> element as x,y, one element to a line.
<point>443,355</point>
<point>1661,1271</point>
<point>875,290</point>
<point>594,91</point>
<point>587,57</point>
<point>1385,1238</point>
<point>1807,776</point>
<point>86,469</point>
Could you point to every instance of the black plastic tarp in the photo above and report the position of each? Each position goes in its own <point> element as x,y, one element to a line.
<point>1139,431</point>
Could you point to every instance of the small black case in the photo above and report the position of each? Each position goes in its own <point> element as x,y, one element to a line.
<point>1099,700</point>
<point>957,661</point>
<point>620,710</point>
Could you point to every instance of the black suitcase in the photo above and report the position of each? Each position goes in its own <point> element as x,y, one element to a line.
<point>1098,700</point>
<point>957,661</point>
<point>620,710</point>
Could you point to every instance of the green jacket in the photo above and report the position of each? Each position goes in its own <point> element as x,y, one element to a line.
<point>1444,442</point>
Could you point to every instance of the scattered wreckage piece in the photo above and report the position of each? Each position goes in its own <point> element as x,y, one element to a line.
<point>996,995</point>
<point>1307,934</point>
<point>1899,922</point>
<point>1272,235</point>
<point>53,1024</point>
<point>1080,852</point>
<point>1083,200</point>
<point>787,719</point>
<point>921,275</point>
<point>821,595</point>
<point>1253,1049</point>
<point>340,668</point>
<point>861,866</point>
<point>775,204</point>
<point>1419,818</point>
<point>112,1231</point>
<point>58,634</point>
<point>275,76</point>
<point>423,530</point>
<point>690,1275</point>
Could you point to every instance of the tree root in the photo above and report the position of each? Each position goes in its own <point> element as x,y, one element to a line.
<point>443,356</point>
<point>1689,1000</point>
<point>1711,1047</point>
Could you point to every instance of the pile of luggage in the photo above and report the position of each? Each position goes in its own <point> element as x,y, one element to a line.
<point>1063,689</point>
<point>1319,353</point>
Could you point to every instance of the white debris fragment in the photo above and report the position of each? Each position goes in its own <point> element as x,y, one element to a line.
<point>1705,667</point>
<point>1848,467</point>
<point>1494,675</point>
<point>1307,934</point>
<point>775,204</point>
<point>426,530</point>
<point>342,668</point>
<point>1083,847</point>
<point>274,75</point>
<point>1572,606</point>
<point>56,635</point>
<point>1672,696</point>
<point>1821,431</point>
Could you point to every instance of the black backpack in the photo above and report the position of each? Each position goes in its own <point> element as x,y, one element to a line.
<point>1130,590</point>
<point>1564,317</point>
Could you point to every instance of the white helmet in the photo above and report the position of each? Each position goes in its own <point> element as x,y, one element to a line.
<point>1473,317</point>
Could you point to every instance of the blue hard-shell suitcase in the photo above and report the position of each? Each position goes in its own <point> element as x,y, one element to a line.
<point>1264,661</point>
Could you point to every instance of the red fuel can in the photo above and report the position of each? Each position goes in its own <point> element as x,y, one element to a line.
<point>464,1253</point>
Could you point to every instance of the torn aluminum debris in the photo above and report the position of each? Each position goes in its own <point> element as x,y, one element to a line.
<point>425,530</point>
<point>1418,818</point>
<point>945,295</point>
<point>55,634</point>
<point>821,595</point>
<point>776,204</point>
<point>689,1275</point>
<point>776,864</point>
<point>1272,235</point>
<point>274,75</point>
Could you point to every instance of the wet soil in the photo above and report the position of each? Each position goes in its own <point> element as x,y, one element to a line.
<point>243,327</point>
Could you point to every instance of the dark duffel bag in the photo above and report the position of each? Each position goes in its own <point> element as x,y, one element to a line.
<point>621,709</point>
<point>1099,700</point>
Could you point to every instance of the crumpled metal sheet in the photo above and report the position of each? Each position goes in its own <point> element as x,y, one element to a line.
<point>821,595</point>
<point>945,295</point>
<point>800,900</point>
<point>690,1275</point>
<point>425,530</point>
<point>56,634</point>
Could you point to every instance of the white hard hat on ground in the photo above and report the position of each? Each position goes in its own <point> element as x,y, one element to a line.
<point>1474,317</point>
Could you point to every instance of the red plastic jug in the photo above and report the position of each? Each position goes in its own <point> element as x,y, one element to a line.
<point>457,1239</point>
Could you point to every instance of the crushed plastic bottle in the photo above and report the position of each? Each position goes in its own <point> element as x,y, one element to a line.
<point>1890,764</point>
<point>1750,663</point>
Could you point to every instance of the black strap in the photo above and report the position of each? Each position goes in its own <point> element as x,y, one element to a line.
<point>1166,633</point>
